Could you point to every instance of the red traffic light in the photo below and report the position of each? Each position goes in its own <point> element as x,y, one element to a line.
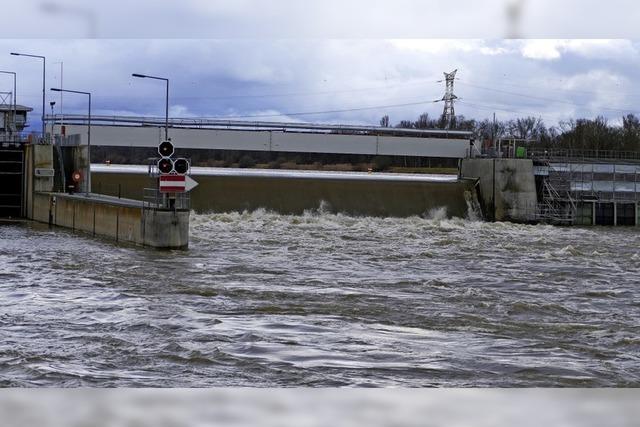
<point>181,166</point>
<point>76,176</point>
<point>165,149</point>
<point>165,165</point>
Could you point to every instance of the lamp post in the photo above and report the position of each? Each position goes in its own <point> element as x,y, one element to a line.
<point>44,69</point>
<point>53,123</point>
<point>166,106</point>
<point>61,109</point>
<point>14,96</point>
<point>88,186</point>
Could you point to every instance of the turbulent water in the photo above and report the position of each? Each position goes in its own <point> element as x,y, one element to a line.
<point>262,299</point>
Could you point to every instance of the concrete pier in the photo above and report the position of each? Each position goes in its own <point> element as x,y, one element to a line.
<point>120,219</point>
<point>507,187</point>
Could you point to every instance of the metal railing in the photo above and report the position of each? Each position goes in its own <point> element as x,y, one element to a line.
<point>217,123</point>
<point>580,154</point>
<point>153,198</point>
<point>554,207</point>
<point>23,138</point>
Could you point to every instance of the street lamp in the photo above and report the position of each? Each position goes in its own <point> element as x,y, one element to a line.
<point>14,95</point>
<point>88,135</point>
<point>44,68</point>
<point>166,106</point>
<point>53,123</point>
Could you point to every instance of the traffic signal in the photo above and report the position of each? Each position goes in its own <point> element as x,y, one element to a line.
<point>181,166</point>
<point>165,149</point>
<point>76,176</point>
<point>165,165</point>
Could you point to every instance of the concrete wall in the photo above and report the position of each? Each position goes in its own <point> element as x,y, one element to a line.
<point>139,136</point>
<point>123,221</point>
<point>507,187</point>
<point>36,157</point>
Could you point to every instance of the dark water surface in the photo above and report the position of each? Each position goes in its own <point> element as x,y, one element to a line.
<point>262,299</point>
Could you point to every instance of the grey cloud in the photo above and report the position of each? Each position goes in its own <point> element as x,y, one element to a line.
<point>235,77</point>
<point>320,19</point>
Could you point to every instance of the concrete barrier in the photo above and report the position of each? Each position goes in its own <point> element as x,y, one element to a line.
<point>122,220</point>
<point>507,187</point>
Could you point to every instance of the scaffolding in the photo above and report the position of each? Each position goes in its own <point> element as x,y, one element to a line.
<point>586,191</point>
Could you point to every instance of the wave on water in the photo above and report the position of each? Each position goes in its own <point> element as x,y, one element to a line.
<point>439,213</point>
<point>327,299</point>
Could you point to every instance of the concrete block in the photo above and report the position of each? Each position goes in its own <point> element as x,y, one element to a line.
<point>166,229</point>
<point>507,187</point>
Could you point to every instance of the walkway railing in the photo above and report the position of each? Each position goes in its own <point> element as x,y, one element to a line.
<point>583,155</point>
<point>217,123</point>
<point>152,198</point>
<point>21,138</point>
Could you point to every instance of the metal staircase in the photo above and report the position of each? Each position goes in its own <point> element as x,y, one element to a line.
<point>557,205</point>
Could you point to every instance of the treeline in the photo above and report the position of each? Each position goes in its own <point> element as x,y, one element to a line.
<point>587,134</point>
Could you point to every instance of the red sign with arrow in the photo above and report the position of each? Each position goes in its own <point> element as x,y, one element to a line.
<point>172,183</point>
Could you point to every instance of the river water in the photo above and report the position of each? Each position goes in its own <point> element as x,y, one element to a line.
<point>262,299</point>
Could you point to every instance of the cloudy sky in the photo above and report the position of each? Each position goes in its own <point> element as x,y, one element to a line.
<point>284,60</point>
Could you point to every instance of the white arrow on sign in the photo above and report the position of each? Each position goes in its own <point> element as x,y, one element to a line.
<point>189,183</point>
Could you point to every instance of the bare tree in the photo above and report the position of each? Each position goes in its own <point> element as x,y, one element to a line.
<point>405,124</point>
<point>525,128</point>
<point>424,122</point>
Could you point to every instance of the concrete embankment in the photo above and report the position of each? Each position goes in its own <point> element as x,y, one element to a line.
<point>293,192</point>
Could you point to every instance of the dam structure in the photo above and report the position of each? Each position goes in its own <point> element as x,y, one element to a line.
<point>507,187</point>
<point>56,182</point>
<point>287,192</point>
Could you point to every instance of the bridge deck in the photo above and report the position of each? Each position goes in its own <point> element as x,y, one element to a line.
<point>275,137</point>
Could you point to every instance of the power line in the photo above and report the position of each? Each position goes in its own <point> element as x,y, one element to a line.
<point>309,113</point>
<point>575,104</point>
<point>299,94</point>
<point>279,95</point>
<point>564,89</point>
<point>494,108</point>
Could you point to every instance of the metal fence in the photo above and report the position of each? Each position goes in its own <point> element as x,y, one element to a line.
<point>153,198</point>
<point>19,139</point>
<point>587,155</point>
